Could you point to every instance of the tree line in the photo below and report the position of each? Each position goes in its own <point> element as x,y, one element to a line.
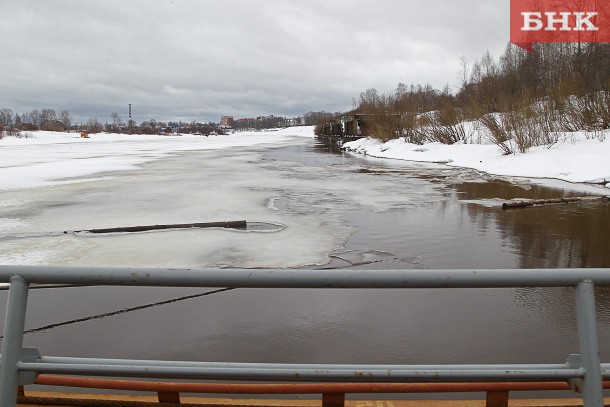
<point>520,100</point>
<point>48,119</point>
<point>44,119</point>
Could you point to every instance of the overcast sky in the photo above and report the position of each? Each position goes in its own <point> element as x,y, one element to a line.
<point>200,59</point>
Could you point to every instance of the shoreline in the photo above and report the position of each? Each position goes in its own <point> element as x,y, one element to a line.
<point>556,183</point>
<point>581,166</point>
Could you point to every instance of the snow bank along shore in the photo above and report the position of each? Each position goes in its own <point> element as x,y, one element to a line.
<point>576,158</point>
<point>52,158</point>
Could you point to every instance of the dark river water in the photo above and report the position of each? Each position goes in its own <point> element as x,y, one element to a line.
<point>443,218</point>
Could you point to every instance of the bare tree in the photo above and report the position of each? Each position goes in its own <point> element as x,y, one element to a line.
<point>464,70</point>
<point>48,115</point>
<point>35,118</point>
<point>117,123</point>
<point>6,117</point>
<point>66,119</point>
<point>93,125</point>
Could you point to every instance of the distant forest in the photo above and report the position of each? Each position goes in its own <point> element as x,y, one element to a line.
<point>521,99</point>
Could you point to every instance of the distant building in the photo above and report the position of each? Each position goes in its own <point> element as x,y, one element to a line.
<point>295,121</point>
<point>226,121</point>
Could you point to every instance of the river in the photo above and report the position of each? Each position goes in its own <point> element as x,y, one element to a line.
<point>316,208</point>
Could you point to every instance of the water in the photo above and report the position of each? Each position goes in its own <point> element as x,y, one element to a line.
<point>312,208</point>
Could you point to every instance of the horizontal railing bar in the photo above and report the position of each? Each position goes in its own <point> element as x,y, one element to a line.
<point>292,366</point>
<point>295,375</point>
<point>297,388</point>
<point>323,279</point>
<point>290,278</point>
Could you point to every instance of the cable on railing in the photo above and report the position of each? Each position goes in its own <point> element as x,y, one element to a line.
<point>124,311</point>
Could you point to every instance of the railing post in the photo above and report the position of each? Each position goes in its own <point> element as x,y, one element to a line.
<point>168,397</point>
<point>13,340</point>
<point>496,399</point>
<point>333,399</point>
<point>589,346</point>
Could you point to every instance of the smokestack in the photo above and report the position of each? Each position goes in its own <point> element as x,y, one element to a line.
<point>130,121</point>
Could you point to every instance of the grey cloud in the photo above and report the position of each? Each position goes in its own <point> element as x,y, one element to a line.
<point>199,59</point>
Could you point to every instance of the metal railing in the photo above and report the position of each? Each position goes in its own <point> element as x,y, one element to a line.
<point>584,371</point>
<point>332,394</point>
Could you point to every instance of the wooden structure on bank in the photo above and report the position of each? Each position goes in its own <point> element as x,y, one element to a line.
<point>348,127</point>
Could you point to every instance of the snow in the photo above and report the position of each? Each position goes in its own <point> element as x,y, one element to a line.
<point>52,158</point>
<point>575,159</point>
<point>46,187</point>
<point>45,182</point>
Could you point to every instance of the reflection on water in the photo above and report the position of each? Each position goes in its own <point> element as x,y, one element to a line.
<point>469,229</point>
<point>552,236</point>
<point>560,236</point>
<point>501,189</point>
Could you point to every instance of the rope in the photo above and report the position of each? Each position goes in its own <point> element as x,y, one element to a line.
<point>123,311</point>
<point>113,313</point>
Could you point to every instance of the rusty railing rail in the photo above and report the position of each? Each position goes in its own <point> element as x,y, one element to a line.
<point>333,394</point>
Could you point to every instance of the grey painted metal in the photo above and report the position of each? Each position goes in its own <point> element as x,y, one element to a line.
<point>588,342</point>
<point>277,372</point>
<point>13,340</point>
<point>589,371</point>
<point>293,366</point>
<point>288,278</point>
<point>29,355</point>
<point>606,370</point>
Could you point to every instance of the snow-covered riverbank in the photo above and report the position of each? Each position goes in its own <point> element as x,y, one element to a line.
<point>574,159</point>
<point>51,158</point>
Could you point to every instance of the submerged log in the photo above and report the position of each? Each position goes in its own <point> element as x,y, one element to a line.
<point>538,202</point>
<point>239,224</point>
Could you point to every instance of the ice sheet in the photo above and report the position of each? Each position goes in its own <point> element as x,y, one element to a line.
<point>185,186</point>
<point>47,157</point>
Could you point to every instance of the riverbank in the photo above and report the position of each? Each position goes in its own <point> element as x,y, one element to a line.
<point>575,159</point>
<point>51,158</point>
<point>43,158</point>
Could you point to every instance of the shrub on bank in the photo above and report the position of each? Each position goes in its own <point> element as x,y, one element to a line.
<point>522,100</point>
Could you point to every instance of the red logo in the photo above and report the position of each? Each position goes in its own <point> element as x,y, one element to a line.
<point>577,21</point>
